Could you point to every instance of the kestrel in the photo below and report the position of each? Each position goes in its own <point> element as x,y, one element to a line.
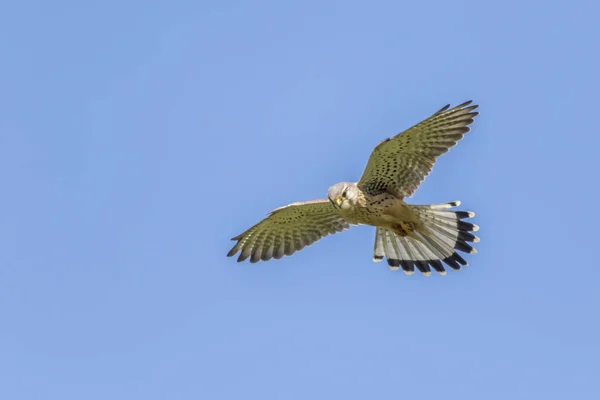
<point>408,236</point>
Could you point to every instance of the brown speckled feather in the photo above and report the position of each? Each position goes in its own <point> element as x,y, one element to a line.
<point>288,229</point>
<point>399,164</point>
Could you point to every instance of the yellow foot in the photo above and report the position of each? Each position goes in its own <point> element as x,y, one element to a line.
<point>404,228</point>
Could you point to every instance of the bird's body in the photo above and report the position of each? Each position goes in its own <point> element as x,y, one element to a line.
<point>409,236</point>
<point>380,210</point>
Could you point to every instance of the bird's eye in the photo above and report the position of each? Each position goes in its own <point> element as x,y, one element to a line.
<point>344,193</point>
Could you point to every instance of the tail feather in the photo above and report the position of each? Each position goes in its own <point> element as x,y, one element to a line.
<point>443,233</point>
<point>408,259</point>
<point>419,256</point>
<point>379,250</point>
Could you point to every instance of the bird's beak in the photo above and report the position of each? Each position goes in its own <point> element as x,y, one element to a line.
<point>336,203</point>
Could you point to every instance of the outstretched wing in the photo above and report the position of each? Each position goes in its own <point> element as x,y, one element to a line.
<point>288,229</point>
<point>399,164</point>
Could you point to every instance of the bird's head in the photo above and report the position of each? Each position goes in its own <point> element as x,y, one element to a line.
<point>343,195</point>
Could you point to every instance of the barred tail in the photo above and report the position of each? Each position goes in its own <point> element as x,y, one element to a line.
<point>442,233</point>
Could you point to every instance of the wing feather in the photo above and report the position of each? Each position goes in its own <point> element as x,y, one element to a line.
<point>399,164</point>
<point>288,229</point>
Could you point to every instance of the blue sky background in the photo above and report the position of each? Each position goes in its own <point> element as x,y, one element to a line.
<point>119,121</point>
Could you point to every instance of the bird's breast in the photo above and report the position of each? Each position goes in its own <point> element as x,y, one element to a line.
<point>380,210</point>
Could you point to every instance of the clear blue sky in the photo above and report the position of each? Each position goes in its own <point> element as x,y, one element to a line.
<point>119,121</point>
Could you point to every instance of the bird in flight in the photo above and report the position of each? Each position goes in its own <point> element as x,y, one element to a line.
<point>408,236</point>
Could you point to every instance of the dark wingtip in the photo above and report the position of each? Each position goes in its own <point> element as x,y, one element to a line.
<point>232,252</point>
<point>468,107</point>
<point>441,110</point>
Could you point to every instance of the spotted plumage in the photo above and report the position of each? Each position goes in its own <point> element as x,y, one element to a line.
<point>410,237</point>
